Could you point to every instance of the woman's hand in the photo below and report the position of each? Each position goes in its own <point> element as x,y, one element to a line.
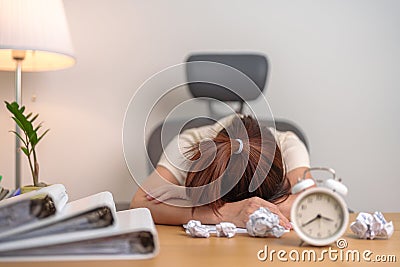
<point>239,212</point>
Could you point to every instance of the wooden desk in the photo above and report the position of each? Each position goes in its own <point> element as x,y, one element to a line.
<point>177,249</point>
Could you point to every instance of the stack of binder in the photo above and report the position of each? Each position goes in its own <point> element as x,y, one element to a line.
<point>7,193</point>
<point>41,225</point>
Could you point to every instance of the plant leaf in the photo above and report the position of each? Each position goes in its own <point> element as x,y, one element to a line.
<point>38,127</point>
<point>25,150</point>
<point>11,106</point>
<point>19,124</point>
<point>18,114</point>
<point>40,138</point>
<point>34,118</point>
<point>33,138</point>
<point>19,136</point>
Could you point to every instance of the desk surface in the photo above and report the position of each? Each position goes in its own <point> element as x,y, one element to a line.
<point>177,249</point>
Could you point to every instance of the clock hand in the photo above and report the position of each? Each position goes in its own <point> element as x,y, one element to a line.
<point>310,221</point>
<point>326,218</point>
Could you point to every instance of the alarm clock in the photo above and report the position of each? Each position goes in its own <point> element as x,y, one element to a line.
<point>319,215</point>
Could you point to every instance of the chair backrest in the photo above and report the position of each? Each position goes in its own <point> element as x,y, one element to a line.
<point>254,66</point>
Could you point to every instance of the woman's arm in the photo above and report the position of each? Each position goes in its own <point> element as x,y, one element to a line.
<point>165,213</point>
<point>293,177</point>
<point>236,212</point>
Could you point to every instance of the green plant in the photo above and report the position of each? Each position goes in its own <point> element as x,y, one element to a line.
<point>30,137</point>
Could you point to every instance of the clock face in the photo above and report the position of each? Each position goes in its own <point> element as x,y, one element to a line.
<point>319,216</point>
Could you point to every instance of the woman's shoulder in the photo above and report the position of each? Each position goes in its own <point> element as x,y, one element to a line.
<point>208,131</point>
<point>225,121</point>
<point>281,136</point>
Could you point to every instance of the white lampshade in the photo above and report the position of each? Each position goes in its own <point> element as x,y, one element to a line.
<point>38,29</point>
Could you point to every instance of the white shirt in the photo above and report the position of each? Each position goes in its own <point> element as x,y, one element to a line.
<point>294,153</point>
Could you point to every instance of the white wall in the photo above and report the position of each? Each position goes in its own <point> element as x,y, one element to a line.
<point>334,71</point>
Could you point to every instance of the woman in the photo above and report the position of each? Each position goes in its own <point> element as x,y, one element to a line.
<point>235,166</point>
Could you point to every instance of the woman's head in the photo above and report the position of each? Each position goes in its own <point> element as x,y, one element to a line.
<point>231,174</point>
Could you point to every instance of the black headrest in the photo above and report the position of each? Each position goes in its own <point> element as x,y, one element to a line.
<point>254,66</point>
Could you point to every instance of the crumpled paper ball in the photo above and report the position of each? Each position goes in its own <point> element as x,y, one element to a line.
<point>196,229</point>
<point>367,226</point>
<point>264,223</point>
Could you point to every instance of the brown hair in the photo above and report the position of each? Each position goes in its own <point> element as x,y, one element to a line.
<point>236,171</point>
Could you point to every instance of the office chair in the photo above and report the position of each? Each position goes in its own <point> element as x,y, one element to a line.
<point>255,66</point>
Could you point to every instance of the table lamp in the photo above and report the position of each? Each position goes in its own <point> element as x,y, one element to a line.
<point>34,36</point>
